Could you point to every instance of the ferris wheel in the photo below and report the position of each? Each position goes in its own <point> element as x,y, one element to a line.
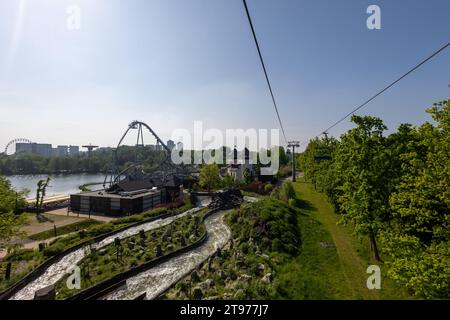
<point>8,148</point>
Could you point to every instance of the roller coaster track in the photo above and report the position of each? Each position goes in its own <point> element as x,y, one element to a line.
<point>165,165</point>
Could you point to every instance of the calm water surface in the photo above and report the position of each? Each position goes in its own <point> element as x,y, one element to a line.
<point>59,183</point>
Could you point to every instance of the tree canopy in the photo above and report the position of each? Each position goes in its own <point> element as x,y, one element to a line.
<point>396,190</point>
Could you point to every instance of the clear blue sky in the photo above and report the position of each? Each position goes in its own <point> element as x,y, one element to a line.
<point>170,62</point>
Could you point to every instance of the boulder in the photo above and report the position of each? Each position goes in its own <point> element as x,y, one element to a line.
<point>244,277</point>
<point>267,278</point>
<point>220,274</point>
<point>209,283</point>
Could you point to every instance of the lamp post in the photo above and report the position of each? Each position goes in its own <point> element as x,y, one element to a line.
<point>293,145</point>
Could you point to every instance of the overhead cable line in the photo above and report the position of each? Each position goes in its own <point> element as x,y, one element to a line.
<point>265,71</point>
<point>385,89</point>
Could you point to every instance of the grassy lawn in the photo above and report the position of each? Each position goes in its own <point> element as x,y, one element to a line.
<point>33,226</point>
<point>333,261</point>
<point>64,229</point>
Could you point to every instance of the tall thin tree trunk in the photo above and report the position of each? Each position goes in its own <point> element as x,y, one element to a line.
<point>374,247</point>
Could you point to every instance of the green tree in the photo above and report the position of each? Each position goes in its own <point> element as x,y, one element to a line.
<point>418,237</point>
<point>362,162</point>
<point>10,222</point>
<point>10,200</point>
<point>287,191</point>
<point>248,178</point>
<point>209,176</point>
<point>40,194</point>
<point>228,181</point>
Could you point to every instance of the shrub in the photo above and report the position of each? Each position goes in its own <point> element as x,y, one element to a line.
<point>244,247</point>
<point>54,249</point>
<point>101,229</point>
<point>268,188</point>
<point>292,202</point>
<point>271,223</point>
<point>277,245</point>
<point>21,255</point>
<point>287,191</point>
<point>154,212</point>
<point>131,219</point>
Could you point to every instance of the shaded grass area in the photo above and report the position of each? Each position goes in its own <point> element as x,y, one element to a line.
<point>317,272</point>
<point>341,270</point>
<point>64,230</point>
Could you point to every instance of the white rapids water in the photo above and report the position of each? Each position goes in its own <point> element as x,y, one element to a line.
<point>158,279</point>
<point>57,270</point>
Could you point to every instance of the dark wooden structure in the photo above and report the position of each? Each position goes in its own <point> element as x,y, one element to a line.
<point>128,196</point>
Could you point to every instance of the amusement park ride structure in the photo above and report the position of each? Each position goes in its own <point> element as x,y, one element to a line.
<point>14,141</point>
<point>163,169</point>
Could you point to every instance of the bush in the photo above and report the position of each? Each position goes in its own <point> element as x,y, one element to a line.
<point>287,191</point>
<point>268,188</point>
<point>21,255</point>
<point>127,220</point>
<point>244,247</point>
<point>271,223</point>
<point>255,187</point>
<point>154,212</point>
<point>54,249</point>
<point>292,202</point>
<point>101,229</point>
<point>277,245</point>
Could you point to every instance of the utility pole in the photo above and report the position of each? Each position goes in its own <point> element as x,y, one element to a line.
<point>293,144</point>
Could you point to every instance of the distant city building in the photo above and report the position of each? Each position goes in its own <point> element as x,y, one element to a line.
<point>43,149</point>
<point>46,150</point>
<point>170,144</point>
<point>24,147</point>
<point>74,150</point>
<point>62,151</point>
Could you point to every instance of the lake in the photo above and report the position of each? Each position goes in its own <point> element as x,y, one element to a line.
<point>59,183</point>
